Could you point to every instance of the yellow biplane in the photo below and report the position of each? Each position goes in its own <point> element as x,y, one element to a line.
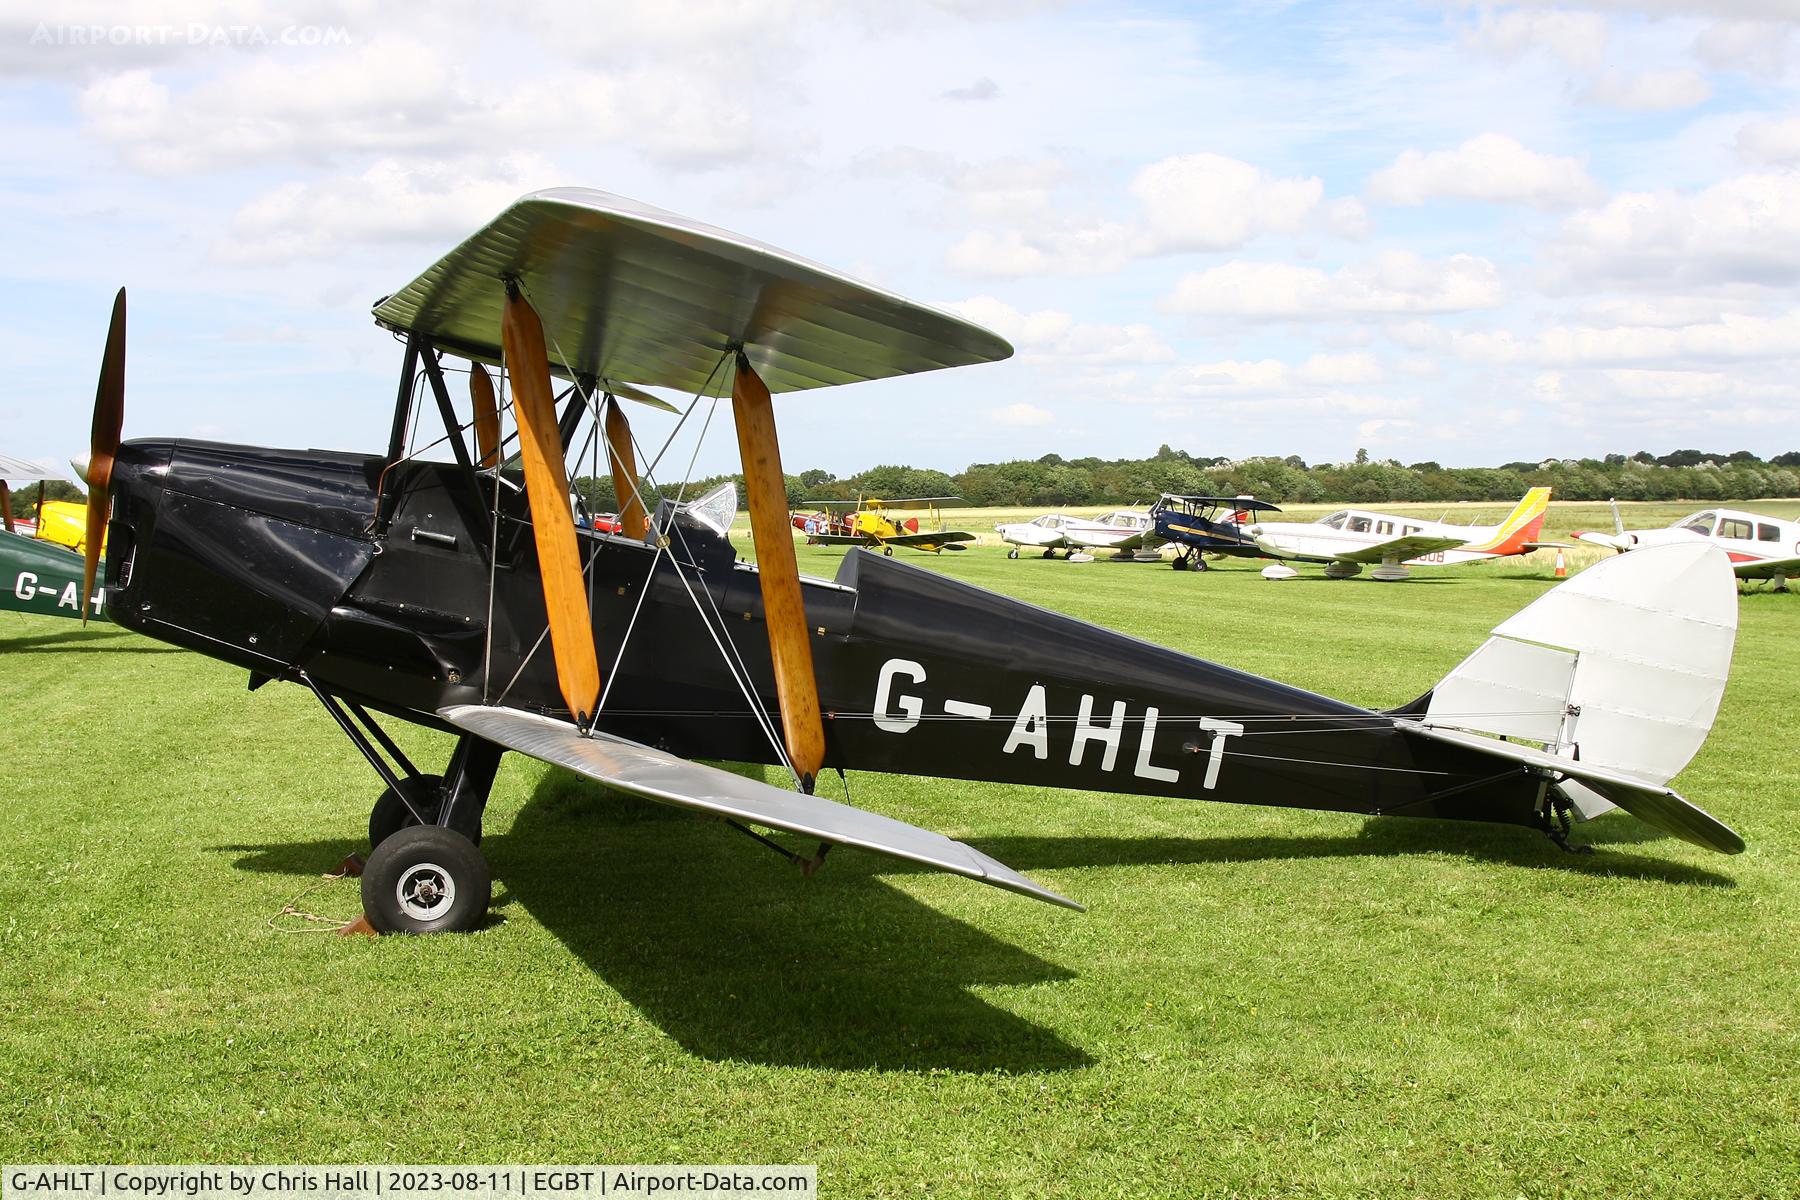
<point>877,523</point>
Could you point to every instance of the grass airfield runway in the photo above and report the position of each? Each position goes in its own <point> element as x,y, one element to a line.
<point>1259,1001</point>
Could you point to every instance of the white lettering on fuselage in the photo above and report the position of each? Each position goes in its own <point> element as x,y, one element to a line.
<point>910,706</point>
<point>1220,730</point>
<point>25,587</point>
<point>899,711</point>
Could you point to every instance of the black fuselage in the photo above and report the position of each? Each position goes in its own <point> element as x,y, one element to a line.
<point>407,589</point>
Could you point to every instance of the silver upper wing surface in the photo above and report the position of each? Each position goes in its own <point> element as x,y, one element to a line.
<point>656,775</point>
<point>631,293</point>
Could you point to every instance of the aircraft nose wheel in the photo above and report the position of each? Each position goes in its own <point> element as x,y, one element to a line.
<point>1013,553</point>
<point>426,879</point>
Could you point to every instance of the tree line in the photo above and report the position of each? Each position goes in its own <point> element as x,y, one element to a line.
<point>1053,481</point>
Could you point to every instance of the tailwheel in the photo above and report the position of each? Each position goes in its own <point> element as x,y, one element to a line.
<point>426,792</point>
<point>426,879</point>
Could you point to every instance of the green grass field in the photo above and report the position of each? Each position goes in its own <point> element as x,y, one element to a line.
<point>1259,1001</point>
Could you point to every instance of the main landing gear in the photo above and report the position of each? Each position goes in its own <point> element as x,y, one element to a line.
<point>424,873</point>
<point>1189,560</point>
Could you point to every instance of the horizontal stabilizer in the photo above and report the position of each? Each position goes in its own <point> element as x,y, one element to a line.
<point>651,773</point>
<point>1660,806</point>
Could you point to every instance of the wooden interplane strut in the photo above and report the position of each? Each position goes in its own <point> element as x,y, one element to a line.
<point>765,489</point>
<point>487,417</point>
<point>623,459</point>
<point>552,523</point>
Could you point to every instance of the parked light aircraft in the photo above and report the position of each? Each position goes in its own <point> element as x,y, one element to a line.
<point>1202,525</point>
<point>1760,547</point>
<point>876,523</point>
<point>1122,530</point>
<point>461,595</point>
<point>36,576</point>
<point>1348,539</point>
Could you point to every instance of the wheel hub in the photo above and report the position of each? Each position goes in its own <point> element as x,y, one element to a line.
<point>425,891</point>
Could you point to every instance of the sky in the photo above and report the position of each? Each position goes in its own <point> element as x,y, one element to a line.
<point>1463,232</point>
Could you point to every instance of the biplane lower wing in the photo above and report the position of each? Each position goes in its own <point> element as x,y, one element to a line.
<point>655,775</point>
<point>930,538</point>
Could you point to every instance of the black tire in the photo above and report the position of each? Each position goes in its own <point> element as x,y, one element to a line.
<point>888,550</point>
<point>390,815</point>
<point>1180,564</point>
<point>1013,553</point>
<point>426,879</point>
<point>1050,553</point>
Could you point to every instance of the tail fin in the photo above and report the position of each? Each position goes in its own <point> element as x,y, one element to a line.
<point>1618,673</point>
<point>1521,527</point>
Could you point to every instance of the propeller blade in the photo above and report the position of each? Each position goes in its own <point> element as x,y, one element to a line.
<point>487,417</point>
<point>552,524</point>
<point>103,444</point>
<point>632,522</point>
<point>784,609</point>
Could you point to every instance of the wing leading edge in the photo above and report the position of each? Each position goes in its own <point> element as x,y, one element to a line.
<point>655,775</point>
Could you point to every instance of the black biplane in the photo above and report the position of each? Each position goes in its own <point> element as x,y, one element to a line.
<point>461,595</point>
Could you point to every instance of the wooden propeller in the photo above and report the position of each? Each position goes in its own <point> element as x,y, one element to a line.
<point>487,417</point>
<point>552,523</point>
<point>103,444</point>
<point>765,488</point>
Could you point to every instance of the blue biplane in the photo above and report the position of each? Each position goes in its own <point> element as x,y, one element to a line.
<point>1207,525</point>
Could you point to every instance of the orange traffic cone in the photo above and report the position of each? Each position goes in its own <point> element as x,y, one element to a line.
<point>1562,568</point>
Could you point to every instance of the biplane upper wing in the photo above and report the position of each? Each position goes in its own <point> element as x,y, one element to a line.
<point>644,771</point>
<point>634,294</point>
<point>17,470</point>
<point>1402,548</point>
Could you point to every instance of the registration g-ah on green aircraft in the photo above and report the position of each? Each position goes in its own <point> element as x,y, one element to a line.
<point>37,576</point>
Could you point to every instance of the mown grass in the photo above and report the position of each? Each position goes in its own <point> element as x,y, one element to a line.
<point>1259,1001</point>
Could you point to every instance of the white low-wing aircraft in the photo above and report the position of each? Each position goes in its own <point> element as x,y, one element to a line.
<point>1760,547</point>
<point>1122,530</point>
<point>1348,539</point>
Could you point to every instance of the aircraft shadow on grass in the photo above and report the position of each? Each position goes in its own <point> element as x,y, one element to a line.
<point>83,641</point>
<point>731,955</point>
<point>727,950</point>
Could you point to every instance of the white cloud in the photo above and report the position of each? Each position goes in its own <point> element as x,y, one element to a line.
<point>1742,230</point>
<point>1397,281</point>
<point>437,201</point>
<point>1185,204</point>
<point>1348,218</point>
<point>1051,333</point>
<point>1359,367</point>
<point>982,89</point>
<point>1210,202</point>
<point>1577,38</point>
<point>1022,416</point>
<point>1770,142</point>
<point>1759,48</point>
<point>1490,167</point>
<point>1674,87</point>
<point>1733,337</point>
